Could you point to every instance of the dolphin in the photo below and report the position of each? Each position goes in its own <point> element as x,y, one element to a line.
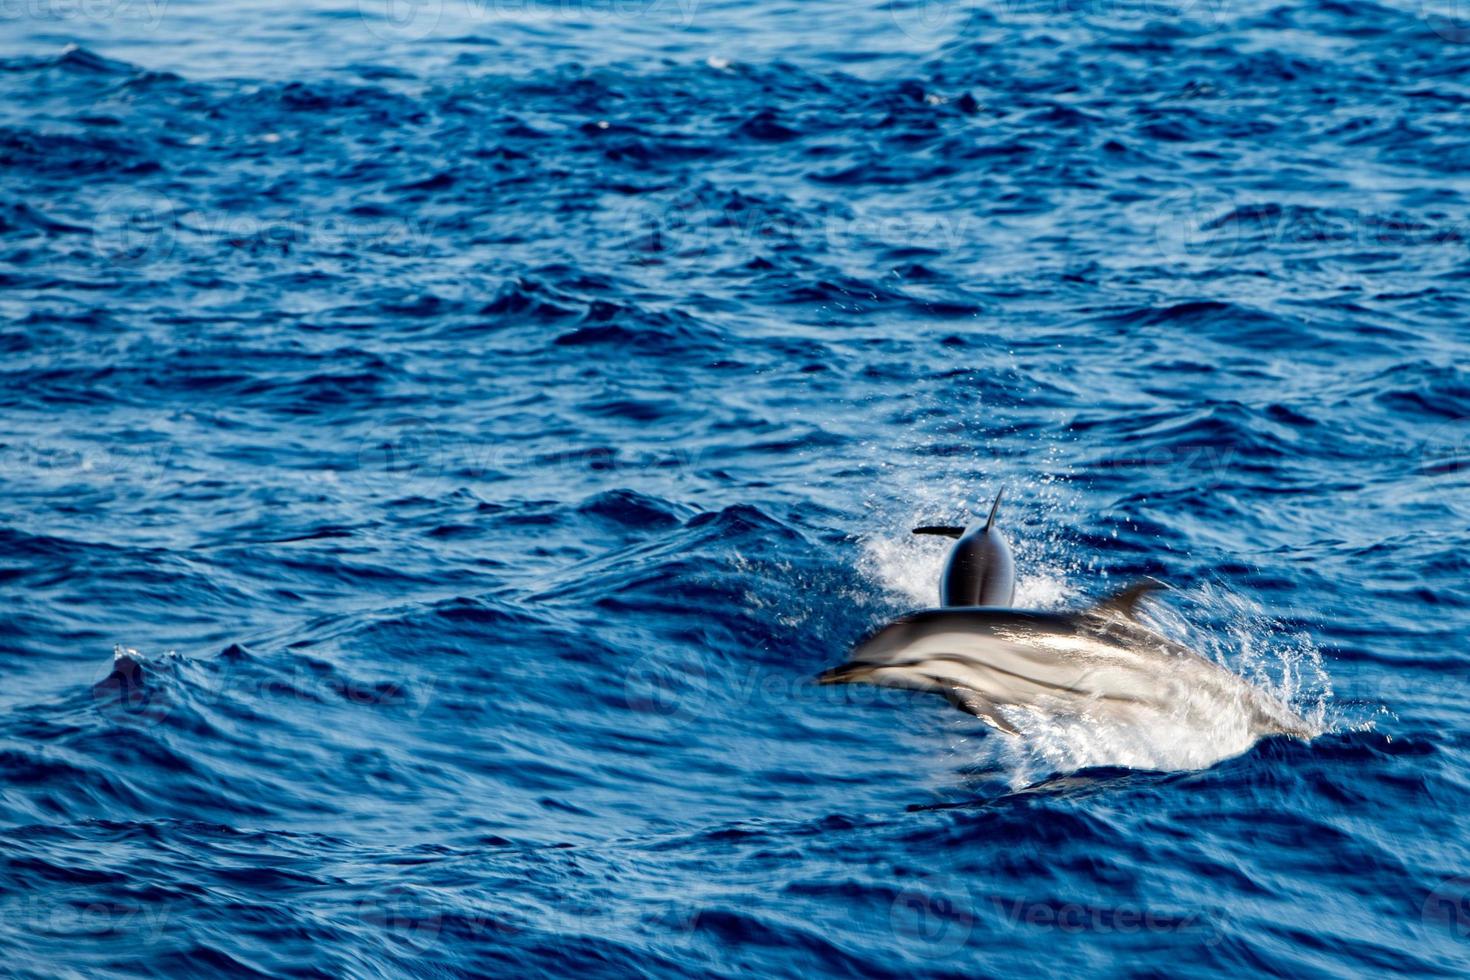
<point>999,663</point>
<point>979,570</point>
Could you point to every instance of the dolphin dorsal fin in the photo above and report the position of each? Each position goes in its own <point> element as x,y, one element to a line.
<point>990,521</point>
<point>951,531</point>
<point>1125,601</point>
<point>943,530</point>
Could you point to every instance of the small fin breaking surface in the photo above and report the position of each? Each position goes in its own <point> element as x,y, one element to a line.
<point>1126,600</point>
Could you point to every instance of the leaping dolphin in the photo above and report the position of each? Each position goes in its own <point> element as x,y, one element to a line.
<point>999,663</point>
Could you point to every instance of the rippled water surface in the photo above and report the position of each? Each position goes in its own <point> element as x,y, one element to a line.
<point>483,420</point>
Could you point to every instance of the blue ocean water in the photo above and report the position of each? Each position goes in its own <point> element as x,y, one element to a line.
<point>482,419</point>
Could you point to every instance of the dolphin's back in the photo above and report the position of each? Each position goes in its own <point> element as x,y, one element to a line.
<point>980,571</point>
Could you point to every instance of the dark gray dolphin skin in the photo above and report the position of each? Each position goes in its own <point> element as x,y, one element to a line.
<point>980,570</point>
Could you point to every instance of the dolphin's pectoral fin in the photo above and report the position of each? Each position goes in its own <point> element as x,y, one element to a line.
<point>981,707</point>
<point>1125,601</point>
<point>943,530</point>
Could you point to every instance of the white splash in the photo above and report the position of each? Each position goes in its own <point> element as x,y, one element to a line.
<point>1192,734</point>
<point>907,566</point>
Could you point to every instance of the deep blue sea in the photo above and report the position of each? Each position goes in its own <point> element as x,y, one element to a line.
<point>474,424</point>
